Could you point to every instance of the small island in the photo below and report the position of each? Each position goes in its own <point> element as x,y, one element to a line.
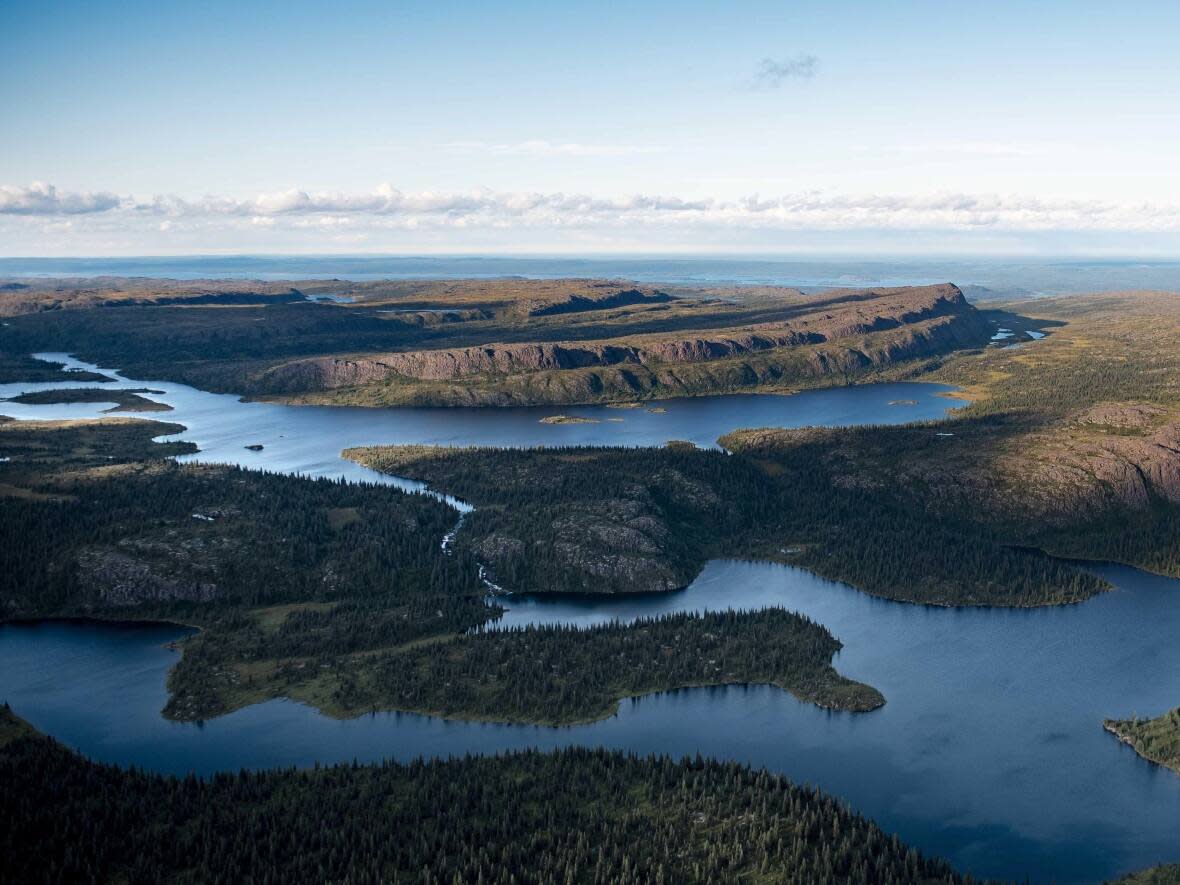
<point>567,419</point>
<point>123,400</point>
<point>1166,874</point>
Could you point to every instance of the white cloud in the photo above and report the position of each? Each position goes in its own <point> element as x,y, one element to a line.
<point>39,198</point>
<point>486,209</point>
<point>772,73</point>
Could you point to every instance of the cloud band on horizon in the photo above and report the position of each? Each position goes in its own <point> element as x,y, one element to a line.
<point>802,210</point>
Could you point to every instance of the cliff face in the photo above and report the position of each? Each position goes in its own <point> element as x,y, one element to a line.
<point>1124,456</point>
<point>842,334</point>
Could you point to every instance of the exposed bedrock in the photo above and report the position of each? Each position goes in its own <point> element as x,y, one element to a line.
<point>1091,472</point>
<point>837,339</point>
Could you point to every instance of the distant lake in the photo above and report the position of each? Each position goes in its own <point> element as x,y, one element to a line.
<point>989,750</point>
<point>308,439</point>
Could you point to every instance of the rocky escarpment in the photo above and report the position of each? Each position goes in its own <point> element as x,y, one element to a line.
<point>1136,459</point>
<point>845,335</point>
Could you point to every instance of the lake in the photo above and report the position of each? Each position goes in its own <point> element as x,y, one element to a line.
<point>989,750</point>
<point>308,440</point>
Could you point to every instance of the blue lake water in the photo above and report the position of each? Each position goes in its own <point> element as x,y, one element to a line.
<point>308,440</point>
<point>989,750</point>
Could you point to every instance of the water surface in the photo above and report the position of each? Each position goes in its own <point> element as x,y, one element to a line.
<point>308,439</point>
<point>989,750</point>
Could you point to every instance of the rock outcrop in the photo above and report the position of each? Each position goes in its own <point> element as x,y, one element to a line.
<point>842,335</point>
<point>118,579</point>
<point>1094,471</point>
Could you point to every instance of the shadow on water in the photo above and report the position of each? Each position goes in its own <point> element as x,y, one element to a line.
<point>989,751</point>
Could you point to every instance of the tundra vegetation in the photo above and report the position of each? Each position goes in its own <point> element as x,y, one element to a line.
<point>505,342</point>
<point>575,815</point>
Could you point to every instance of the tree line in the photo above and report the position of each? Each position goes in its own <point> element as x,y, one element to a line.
<point>573,816</point>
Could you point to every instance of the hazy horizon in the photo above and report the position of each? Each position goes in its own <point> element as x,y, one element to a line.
<point>981,276</point>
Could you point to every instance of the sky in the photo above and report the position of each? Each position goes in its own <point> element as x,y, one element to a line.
<point>147,128</point>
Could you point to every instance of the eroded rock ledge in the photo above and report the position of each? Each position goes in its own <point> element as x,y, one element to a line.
<point>841,336</point>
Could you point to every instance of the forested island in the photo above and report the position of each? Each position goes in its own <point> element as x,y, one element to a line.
<point>556,675</point>
<point>122,400</point>
<point>1168,874</point>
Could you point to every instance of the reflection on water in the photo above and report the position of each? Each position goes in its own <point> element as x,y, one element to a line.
<point>989,750</point>
<point>307,440</point>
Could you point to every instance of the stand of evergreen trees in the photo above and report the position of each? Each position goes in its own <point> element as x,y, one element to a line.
<point>1157,740</point>
<point>88,496</point>
<point>574,816</point>
<point>556,675</point>
<point>781,502</point>
<point>341,595</point>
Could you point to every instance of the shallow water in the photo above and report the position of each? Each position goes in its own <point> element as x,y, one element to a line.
<point>989,750</point>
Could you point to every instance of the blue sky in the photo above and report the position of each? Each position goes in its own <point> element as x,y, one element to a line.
<point>148,128</point>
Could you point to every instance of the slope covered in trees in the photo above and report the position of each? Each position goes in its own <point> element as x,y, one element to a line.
<point>603,520</point>
<point>574,816</point>
<point>336,594</point>
<point>97,521</point>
